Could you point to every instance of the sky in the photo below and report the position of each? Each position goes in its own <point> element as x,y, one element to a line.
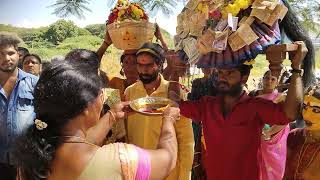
<point>36,13</point>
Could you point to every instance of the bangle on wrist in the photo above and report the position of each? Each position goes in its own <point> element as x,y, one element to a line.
<point>297,71</point>
<point>169,117</point>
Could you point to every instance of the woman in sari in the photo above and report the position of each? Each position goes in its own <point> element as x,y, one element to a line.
<point>68,103</point>
<point>273,150</point>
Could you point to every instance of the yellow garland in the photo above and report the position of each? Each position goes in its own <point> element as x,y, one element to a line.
<point>235,7</point>
<point>202,7</point>
<point>136,11</point>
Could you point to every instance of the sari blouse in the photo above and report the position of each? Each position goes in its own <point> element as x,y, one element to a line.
<point>118,162</point>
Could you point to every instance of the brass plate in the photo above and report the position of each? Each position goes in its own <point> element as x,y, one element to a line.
<point>151,105</point>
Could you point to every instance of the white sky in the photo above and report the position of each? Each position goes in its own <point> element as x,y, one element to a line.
<point>35,13</point>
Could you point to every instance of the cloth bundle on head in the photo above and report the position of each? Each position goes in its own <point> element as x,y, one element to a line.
<point>229,33</point>
<point>267,36</point>
<point>154,50</point>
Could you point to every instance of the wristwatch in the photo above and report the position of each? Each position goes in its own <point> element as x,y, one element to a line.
<point>297,71</point>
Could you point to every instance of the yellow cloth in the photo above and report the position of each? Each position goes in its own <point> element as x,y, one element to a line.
<point>144,131</point>
<point>112,162</point>
<point>104,165</point>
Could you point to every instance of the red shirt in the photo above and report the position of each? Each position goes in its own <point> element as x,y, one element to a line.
<point>232,142</point>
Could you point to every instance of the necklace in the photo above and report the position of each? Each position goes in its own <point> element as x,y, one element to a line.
<point>310,158</point>
<point>76,139</point>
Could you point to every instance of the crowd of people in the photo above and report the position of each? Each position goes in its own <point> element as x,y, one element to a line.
<point>53,123</point>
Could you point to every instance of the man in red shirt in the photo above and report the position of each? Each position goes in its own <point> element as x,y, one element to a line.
<point>233,121</point>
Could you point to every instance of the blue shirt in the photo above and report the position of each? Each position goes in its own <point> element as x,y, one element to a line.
<point>16,113</point>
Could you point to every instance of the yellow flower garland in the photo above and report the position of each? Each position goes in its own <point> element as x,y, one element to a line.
<point>202,7</point>
<point>235,7</point>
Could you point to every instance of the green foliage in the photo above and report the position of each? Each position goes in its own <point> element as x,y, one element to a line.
<point>308,12</point>
<point>84,42</point>
<point>317,59</point>
<point>168,38</point>
<point>8,28</point>
<point>48,53</point>
<point>65,8</point>
<point>96,29</point>
<point>61,30</point>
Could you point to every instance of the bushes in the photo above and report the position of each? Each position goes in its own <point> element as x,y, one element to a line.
<point>86,42</point>
<point>61,30</point>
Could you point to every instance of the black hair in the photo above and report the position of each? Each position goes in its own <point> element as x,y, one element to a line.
<point>123,56</point>
<point>316,93</point>
<point>244,69</point>
<point>183,56</point>
<point>33,55</point>
<point>157,48</point>
<point>62,93</point>
<point>45,64</point>
<point>7,38</point>
<point>84,57</point>
<point>24,50</point>
<point>89,59</point>
<point>294,30</point>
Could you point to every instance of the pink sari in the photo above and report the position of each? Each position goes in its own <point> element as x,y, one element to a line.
<point>273,152</point>
<point>135,162</point>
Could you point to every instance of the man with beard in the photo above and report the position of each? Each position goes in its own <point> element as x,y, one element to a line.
<point>143,130</point>
<point>233,121</point>
<point>16,102</point>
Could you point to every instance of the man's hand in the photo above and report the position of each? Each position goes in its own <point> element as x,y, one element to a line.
<point>299,55</point>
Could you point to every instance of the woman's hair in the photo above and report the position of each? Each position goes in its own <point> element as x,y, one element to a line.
<point>63,91</point>
<point>294,30</point>
<point>85,58</point>
<point>89,60</point>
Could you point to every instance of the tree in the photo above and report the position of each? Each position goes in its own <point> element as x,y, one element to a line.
<point>65,8</point>
<point>61,30</point>
<point>96,29</point>
<point>309,13</point>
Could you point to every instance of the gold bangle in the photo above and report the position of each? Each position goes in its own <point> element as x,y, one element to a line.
<point>170,117</point>
<point>113,116</point>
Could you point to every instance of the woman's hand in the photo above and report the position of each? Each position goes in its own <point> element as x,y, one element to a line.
<point>119,110</point>
<point>107,38</point>
<point>171,112</point>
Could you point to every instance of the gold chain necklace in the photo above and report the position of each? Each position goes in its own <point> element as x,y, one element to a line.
<point>80,140</point>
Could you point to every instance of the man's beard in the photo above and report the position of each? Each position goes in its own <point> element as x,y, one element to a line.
<point>9,69</point>
<point>148,78</point>
<point>233,91</point>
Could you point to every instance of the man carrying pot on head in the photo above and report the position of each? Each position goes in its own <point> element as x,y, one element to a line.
<point>143,130</point>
